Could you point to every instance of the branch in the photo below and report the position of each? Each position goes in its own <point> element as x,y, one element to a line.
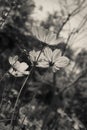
<point>80,75</point>
<point>74,12</point>
<point>75,31</point>
<point>5,14</point>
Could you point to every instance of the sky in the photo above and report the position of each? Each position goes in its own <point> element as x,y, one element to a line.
<point>49,6</point>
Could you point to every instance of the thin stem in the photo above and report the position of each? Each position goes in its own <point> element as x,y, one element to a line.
<point>23,85</point>
<point>54,79</point>
<point>50,108</point>
<point>25,115</point>
<point>4,120</point>
<point>16,103</point>
<point>3,76</point>
<point>80,75</point>
<point>23,120</point>
<point>6,14</point>
<point>35,92</point>
<point>2,98</point>
<point>74,12</point>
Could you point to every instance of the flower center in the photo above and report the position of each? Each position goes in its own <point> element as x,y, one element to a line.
<point>51,64</point>
<point>35,63</point>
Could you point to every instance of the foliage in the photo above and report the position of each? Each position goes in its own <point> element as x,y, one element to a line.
<point>38,91</point>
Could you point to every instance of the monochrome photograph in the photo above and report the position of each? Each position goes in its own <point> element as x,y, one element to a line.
<point>43,64</point>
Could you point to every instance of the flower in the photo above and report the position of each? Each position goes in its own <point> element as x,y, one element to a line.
<point>61,112</point>
<point>18,69</point>
<point>53,59</point>
<point>35,57</point>
<point>46,36</point>
<point>24,120</point>
<point>77,125</point>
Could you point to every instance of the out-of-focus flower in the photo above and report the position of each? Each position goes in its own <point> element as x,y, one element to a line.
<point>18,69</point>
<point>46,36</point>
<point>35,57</point>
<point>14,92</point>
<point>38,124</point>
<point>24,121</point>
<point>53,59</point>
<point>61,112</point>
<point>77,124</point>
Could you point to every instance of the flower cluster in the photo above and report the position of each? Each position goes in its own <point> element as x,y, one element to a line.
<point>42,58</point>
<point>49,58</point>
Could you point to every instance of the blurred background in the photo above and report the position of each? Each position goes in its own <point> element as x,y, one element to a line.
<point>66,18</point>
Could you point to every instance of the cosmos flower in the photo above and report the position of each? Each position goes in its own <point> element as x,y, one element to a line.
<point>46,36</point>
<point>53,59</point>
<point>35,57</point>
<point>18,69</point>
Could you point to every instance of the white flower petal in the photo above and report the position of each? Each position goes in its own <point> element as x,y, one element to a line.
<point>52,42</point>
<point>36,56</point>
<point>48,54</point>
<point>55,68</point>
<point>56,54</point>
<point>32,55</point>
<point>35,31</point>
<point>50,38</point>
<point>43,64</point>
<point>39,56</point>
<point>16,65</point>
<point>39,33</point>
<point>58,41</point>
<point>21,66</point>
<point>62,62</point>
<point>13,59</point>
<point>26,72</point>
<point>42,34</point>
<point>10,70</point>
<point>15,73</point>
<point>46,36</point>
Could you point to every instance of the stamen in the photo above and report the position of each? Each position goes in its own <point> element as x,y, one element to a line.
<point>51,64</point>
